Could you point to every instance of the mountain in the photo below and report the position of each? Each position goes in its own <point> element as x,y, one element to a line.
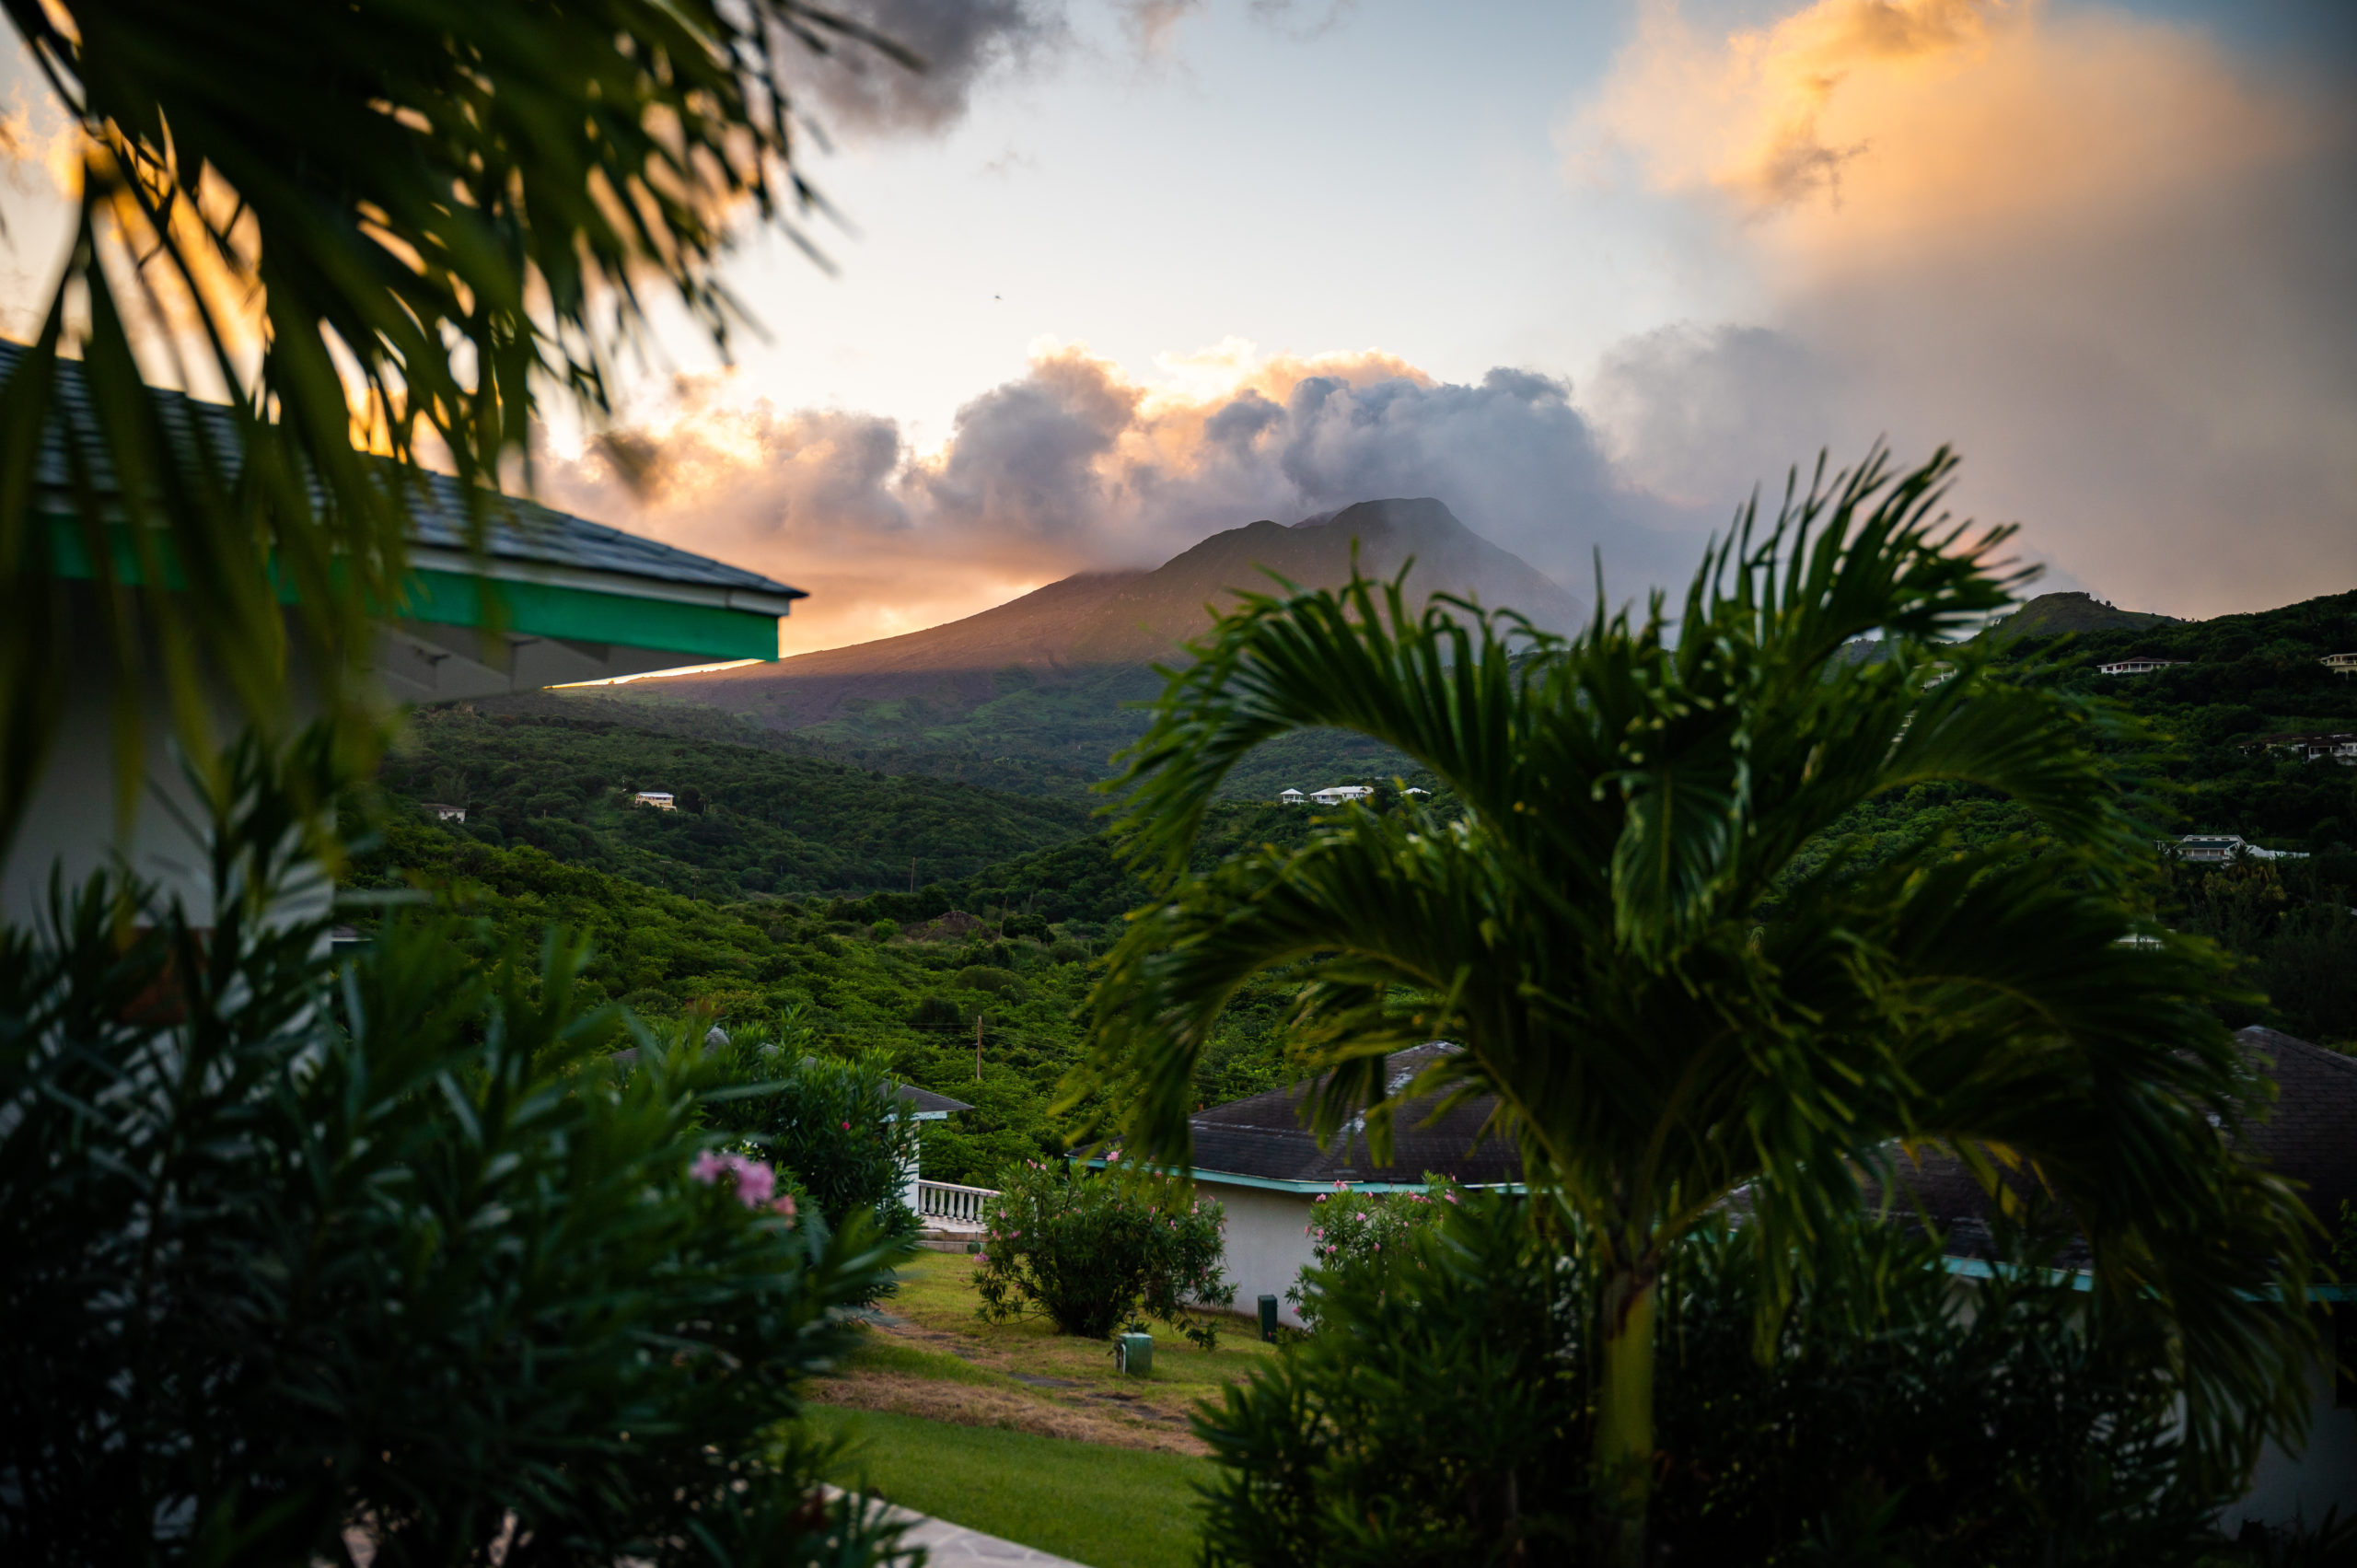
<point>2054,615</point>
<point>1098,623</point>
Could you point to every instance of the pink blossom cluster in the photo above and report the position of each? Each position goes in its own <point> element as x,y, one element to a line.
<point>754,1183</point>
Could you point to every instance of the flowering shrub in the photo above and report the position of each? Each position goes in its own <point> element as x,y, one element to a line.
<point>1095,1250</point>
<point>836,1126</point>
<point>754,1183</point>
<point>1354,1230</point>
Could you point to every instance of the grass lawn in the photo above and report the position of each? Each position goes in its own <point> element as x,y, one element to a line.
<point>1106,1506</point>
<point>935,1359</point>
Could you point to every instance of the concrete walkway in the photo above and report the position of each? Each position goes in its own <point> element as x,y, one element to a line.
<point>954,1546</point>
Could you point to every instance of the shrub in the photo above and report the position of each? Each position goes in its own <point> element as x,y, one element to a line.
<point>837,1124</point>
<point>988,977</point>
<point>1440,1416</point>
<point>1351,1229</point>
<point>935,1013</point>
<point>287,1248</point>
<point>1065,950</point>
<point>884,930</point>
<point>1095,1250</point>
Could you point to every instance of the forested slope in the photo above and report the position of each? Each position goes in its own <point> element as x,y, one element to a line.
<point>752,821</point>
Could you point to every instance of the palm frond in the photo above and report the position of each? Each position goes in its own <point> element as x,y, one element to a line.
<point>380,230</point>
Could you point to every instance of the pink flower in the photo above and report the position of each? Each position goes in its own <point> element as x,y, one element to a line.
<point>707,1168</point>
<point>784,1205</point>
<point>846,1126</point>
<point>754,1183</point>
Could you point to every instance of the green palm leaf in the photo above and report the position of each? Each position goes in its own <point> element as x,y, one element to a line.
<point>1671,1011</point>
<point>379,229</point>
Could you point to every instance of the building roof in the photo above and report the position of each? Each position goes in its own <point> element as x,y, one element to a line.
<point>2308,1136</point>
<point>577,599</point>
<point>924,1102</point>
<point>1261,1140</point>
<point>519,529</point>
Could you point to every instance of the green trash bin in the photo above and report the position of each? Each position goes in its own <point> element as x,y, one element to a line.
<point>1268,1318</point>
<point>1133,1353</point>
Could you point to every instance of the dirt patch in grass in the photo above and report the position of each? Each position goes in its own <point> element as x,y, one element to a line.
<point>968,1405</point>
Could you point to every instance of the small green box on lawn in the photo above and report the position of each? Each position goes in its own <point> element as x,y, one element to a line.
<point>1134,1354</point>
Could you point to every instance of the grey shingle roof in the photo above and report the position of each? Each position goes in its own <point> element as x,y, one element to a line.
<point>1263,1137</point>
<point>519,530</point>
<point>2309,1137</point>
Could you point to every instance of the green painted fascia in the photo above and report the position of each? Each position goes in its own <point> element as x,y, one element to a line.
<point>584,615</point>
<point>461,598</point>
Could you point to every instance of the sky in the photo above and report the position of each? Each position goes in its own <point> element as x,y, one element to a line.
<point>1115,275</point>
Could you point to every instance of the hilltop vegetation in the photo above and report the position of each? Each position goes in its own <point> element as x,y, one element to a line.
<point>750,821</point>
<point>2056,615</point>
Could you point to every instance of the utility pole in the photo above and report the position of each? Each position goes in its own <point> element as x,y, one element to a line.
<point>978,1048</point>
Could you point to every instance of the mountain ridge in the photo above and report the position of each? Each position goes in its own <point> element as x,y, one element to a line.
<point>1102,621</point>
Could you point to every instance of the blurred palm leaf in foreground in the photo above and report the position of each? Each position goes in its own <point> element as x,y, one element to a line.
<point>1669,1011</point>
<point>373,228</point>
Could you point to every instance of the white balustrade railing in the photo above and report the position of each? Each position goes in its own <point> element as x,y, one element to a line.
<point>953,1204</point>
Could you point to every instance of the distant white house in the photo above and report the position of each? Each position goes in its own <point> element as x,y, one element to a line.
<point>444,812</point>
<point>658,798</point>
<point>2339,664</point>
<point>2139,666</point>
<point>1411,789</point>
<point>2217,848</point>
<point>1291,796</point>
<point>1338,795</point>
<point>2339,746</point>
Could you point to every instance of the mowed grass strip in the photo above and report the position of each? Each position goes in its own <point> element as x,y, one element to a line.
<point>1104,1506</point>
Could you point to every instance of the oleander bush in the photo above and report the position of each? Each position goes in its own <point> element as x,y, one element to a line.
<point>1348,1228</point>
<point>836,1123</point>
<point>291,1244</point>
<point>1095,1251</point>
<point>1441,1415</point>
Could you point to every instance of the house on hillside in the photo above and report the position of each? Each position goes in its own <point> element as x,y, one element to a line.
<point>2339,664</point>
<point>549,599</point>
<point>2220,848</point>
<point>1290,798</point>
<point>2340,746</point>
<point>658,798</point>
<point>1341,795</point>
<point>445,812</point>
<point>2139,666</point>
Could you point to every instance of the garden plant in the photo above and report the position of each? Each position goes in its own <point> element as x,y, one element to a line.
<point>836,1123</point>
<point>1444,1413</point>
<point>1667,1005</point>
<point>1350,1227</point>
<point>292,1245</point>
<point>1096,1250</point>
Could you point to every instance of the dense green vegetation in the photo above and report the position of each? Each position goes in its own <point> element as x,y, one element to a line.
<point>1439,1414</point>
<point>749,820</point>
<point>1015,895</point>
<point>763,968</point>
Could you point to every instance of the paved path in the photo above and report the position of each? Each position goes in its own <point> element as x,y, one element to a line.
<point>955,1545</point>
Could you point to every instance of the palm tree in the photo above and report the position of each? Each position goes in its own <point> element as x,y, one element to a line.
<point>385,227</point>
<point>1671,1001</point>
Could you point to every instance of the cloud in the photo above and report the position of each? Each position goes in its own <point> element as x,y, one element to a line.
<point>2097,253</point>
<point>962,43</point>
<point>1074,465</point>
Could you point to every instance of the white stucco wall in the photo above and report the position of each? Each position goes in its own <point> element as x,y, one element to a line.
<point>1265,1244</point>
<point>2285,1490</point>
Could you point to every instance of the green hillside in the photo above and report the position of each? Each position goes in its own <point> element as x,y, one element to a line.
<point>752,821</point>
<point>2057,615</point>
